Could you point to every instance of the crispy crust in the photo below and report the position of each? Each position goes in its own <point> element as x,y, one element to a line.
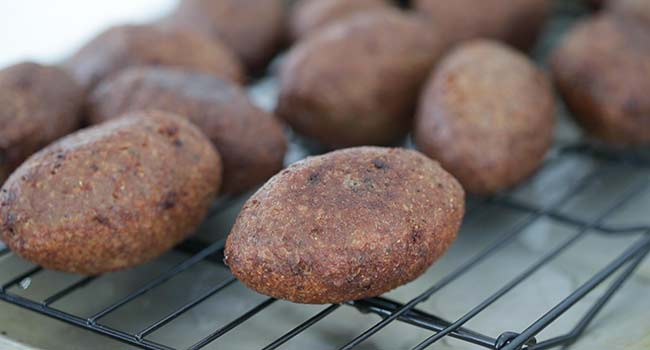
<point>515,22</point>
<point>307,16</point>
<point>136,45</point>
<point>250,141</point>
<point>111,196</point>
<point>347,225</point>
<point>605,82</point>
<point>253,29</point>
<point>38,104</point>
<point>487,115</point>
<point>356,81</point>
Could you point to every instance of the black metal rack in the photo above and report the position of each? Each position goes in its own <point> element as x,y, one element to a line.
<point>390,311</point>
<point>615,273</point>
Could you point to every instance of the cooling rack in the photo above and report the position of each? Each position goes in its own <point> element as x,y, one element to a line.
<point>615,273</point>
<point>579,184</point>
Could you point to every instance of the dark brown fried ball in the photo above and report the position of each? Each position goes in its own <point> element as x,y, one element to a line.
<point>515,22</point>
<point>138,45</point>
<point>308,16</point>
<point>250,141</point>
<point>253,29</point>
<point>356,82</point>
<point>639,9</point>
<point>38,104</point>
<point>602,69</point>
<point>487,115</point>
<point>346,225</point>
<point>111,196</point>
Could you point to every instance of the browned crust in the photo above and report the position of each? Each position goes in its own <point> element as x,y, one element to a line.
<point>307,16</point>
<point>111,196</point>
<point>515,22</point>
<point>347,225</point>
<point>356,81</point>
<point>487,115</point>
<point>253,29</point>
<point>250,141</point>
<point>136,45</point>
<point>605,82</point>
<point>38,104</point>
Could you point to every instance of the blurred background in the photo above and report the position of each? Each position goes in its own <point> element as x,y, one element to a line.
<point>48,31</point>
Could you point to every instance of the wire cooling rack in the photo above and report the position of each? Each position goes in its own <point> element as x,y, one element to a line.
<point>616,272</point>
<point>580,183</point>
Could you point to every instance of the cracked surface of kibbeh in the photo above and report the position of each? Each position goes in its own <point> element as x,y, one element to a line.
<point>39,104</point>
<point>110,196</point>
<point>346,225</point>
<point>487,115</point>
<point>605,82</point>
<point>250,141</point>
<point>356,82</point>
<point>124,46</point>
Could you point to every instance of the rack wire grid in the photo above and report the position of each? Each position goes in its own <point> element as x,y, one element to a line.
<point>580,171</point>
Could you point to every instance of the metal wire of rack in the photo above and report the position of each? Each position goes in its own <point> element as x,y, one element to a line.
<point>613,275</point>
<point>390,311</point>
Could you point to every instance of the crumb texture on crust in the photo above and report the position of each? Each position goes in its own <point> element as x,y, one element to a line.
<point>111,196</point>
<point>605,82</point>
<point>356,82</point>
<point>137,45</point>
<point>250,141</point>
<point>38,105</point>
<point>346,225</point>
<point>487,115</point>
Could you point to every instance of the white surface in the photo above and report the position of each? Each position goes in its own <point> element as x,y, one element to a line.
<point>48,31</point>
<point>8,344</point>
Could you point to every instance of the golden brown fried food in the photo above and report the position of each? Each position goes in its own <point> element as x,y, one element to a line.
<point>346,225</point>
<point>487,115</point>
<point>356,82</point>
<point>38,104</point>
<point>602,69</point>
<point>253,29</point>
<point>111,196</point>
<point>250,141</point>
<point>138,45</point>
